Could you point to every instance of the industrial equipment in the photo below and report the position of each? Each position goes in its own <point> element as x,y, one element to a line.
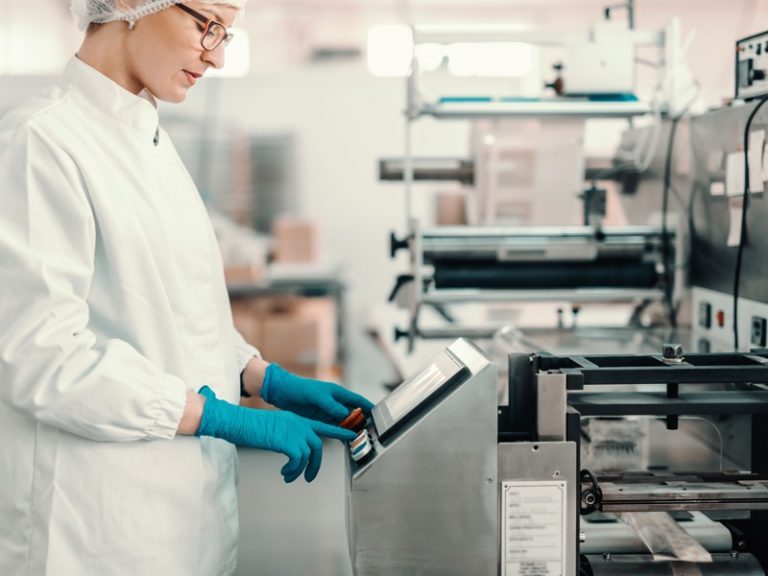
<point>752,66</point>
<point>492,264</point>
<point>601,463</point>
<point>730,291</point>
<point>565,261</point>
<point>452,484</point>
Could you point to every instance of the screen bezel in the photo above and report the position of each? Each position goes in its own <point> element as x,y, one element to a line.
<point>388,421</point>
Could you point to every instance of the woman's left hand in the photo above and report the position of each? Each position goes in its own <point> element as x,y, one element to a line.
<point>315,399</point>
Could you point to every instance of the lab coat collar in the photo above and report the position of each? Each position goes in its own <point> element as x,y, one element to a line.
<point>139,111</point>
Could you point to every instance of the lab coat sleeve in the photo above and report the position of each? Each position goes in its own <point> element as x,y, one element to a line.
<point>52,367</point>
<point>245,352</point>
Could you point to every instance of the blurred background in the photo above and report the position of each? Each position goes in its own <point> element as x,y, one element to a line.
<point>285,145</point>
<point>301,126</point>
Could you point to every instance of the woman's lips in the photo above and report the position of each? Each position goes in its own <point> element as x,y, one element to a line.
<point>192,77</point>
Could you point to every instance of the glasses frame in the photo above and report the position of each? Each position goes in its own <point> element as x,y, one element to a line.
<point>208,22</point>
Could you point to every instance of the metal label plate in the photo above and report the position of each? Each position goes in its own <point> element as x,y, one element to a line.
<point>532,529</point>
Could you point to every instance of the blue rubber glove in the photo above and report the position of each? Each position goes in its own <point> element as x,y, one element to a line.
<point>296,437</point>
<point>313,399</point>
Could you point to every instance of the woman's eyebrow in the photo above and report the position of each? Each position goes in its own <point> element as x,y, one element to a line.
<point>211,14</point>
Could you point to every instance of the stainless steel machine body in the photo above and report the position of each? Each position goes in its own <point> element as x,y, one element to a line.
<point>424,500</point>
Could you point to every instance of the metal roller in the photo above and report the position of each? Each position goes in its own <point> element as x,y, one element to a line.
<point>643,565</point>
<point>536,244</point>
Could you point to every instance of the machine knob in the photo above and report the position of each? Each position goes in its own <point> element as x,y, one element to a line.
<point>399,333</point>
<point>395,244</point>
<point>361,438</point>
<point>758,74</point>
<point>402,280</point>
<point>361,446</point>
<point>672,353</point>
<point>354,421</point>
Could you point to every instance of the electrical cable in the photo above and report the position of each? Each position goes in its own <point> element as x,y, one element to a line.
<point>667,189</point>
<point>639,162</point>
<point>665,256</point>
<point>743,228</point>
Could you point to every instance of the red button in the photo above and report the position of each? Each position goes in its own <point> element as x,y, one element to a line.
<point>353,420</point>
<point>720,317</point>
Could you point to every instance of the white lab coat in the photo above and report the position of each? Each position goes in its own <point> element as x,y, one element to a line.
<point>112,305</point>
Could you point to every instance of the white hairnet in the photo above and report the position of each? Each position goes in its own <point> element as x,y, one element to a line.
<point>87,11</point>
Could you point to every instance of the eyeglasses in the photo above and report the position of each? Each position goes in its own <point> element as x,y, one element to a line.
<point>214,32</point>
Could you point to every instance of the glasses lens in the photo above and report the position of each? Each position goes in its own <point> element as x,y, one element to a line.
<point>215,35</point>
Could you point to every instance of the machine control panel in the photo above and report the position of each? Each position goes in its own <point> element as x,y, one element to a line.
<point>361,446</point>
<point>713,321</point>
<point>414,395</point>
<point>752,66</point>
<point>404,404</point>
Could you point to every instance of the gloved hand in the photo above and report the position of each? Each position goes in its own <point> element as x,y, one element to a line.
<point>296,437</point>
<point>313,399</point>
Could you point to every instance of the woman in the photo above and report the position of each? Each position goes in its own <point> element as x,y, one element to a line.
<point>120,369</point>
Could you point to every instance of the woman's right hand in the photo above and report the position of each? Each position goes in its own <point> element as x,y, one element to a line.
<point>296,437</point>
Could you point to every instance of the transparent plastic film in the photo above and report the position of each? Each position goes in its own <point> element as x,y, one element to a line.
<point>664,537</point>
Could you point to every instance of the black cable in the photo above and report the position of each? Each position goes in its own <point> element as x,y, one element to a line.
<point>743,230</point>
<point>665,256</point>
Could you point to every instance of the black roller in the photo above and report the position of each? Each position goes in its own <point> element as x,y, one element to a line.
<point>544,275</point>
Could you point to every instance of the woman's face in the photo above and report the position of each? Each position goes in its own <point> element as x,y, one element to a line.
<point>164,51</point>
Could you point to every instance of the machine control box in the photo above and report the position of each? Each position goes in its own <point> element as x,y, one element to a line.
<point>752,66</point>
<point>713,321</point>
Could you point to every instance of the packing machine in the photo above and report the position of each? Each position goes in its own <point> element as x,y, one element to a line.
<point>442,480</point>
<point>596,464</point>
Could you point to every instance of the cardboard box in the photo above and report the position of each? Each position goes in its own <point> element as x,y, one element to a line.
<point>326,373</point>
<point>243,273</point>
<point>245,320</point>
<point>296,240</point>
<point>451,208</point>
<point>302,333</point>
<point>290,330</point>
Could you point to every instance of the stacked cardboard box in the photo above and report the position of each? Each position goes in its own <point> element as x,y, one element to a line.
<point>451,208</point>
<point>296,240</point>
<point>298,333</point>
<point>242,273</point>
